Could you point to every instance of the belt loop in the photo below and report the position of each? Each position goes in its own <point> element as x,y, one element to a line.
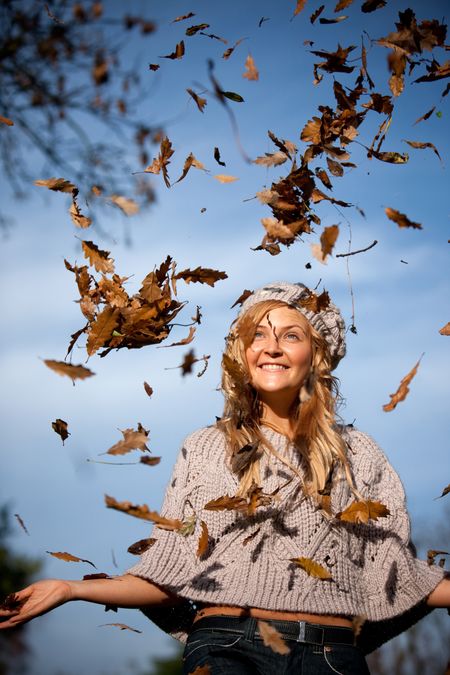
<point>250,628</point>
<point>301,631</point>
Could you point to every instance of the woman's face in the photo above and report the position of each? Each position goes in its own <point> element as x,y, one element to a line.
<point>279,356</point>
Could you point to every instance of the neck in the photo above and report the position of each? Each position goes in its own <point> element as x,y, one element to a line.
<point>277,418</point>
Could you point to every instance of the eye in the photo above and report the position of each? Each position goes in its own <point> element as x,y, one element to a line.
<point>258,335</point>
<point>292,337</point>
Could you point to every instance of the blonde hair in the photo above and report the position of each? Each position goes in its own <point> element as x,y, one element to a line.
<point>315,430</point>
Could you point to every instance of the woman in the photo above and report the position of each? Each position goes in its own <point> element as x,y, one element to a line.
<point>257,560</point>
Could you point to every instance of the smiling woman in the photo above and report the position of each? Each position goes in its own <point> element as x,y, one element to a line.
<point>282,530</point>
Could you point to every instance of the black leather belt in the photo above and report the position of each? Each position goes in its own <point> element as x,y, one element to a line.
<point>300,631</point>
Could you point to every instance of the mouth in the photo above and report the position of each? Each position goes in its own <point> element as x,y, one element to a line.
<point>273,367</point>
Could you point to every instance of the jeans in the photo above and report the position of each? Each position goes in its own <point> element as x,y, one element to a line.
<point>243,653</point>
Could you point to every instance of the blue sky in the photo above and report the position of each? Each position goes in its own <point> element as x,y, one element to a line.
<point>399,306</point>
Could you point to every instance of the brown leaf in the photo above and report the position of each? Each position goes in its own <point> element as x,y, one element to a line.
<point>57,184</point>
<point>445,330</point>
<point>132,440</point>
<point>431,555</point>
<point>372,5</point>
<point>228,52</point>
<point>300,5</point>
<point>315,303</point>
<point>74,372</point>
<point>342,4</point>
<point>178,53</point>
<point>201,102</point>
<point>251,71</point>
<point>21,523</point>
<point>445,491</point>
<point>327,241</point>
<point>358,622</point>
<point>183,17</point>
<point>68,557</point>
<point>97,258</point>
<point>77,217</point>
<point>422,146</point>
<point>401,219</point>
<point>217,157</point>
<point>185,341</point>
<point>203,275</point>
<point>201,670</point>
<point>226,503</point>
<point>192,30</point>
<point>337,19</point>
<point>272,638</point>
<point>402,390</point>
<point>61,428</point>
<point>223,178</point>
<point>127,205</point>
<point>203,540</point>
<point>363,511</point>
<point>271,159</point>
<point>154,66</point>
<point>141,546</point>
<point>312,568</point>
<point>142,512</point>
<point>148,389</point>
<point>335,167</point>
<point>122,626</point>
<point>102,328</point>
<point>426,116</point>
<point>244,295</point>
<point>390,157</point>
<point>99,575</point>
<point>162,161</point>
<point>149,461</point>
<point>6,120</point>
<point>315,15</point>
<point>190,161</point>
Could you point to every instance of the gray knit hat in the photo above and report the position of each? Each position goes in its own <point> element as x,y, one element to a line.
<point>327,321</point>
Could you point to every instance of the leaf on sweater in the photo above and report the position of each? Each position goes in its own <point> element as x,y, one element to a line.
<point>149,461</point>
<point>251,536</point>
<point>188,526</point>
<point>312,568</point>
<point>363,511</point>
<point>401,219</point>
<point>132,440</point>
<point>141,546</point>
<point>74,372</point>
<point>226,503</point>
<point>203,540</point>
<point>201,670</point>
<point>431,555</point>
<point>68,557</point>
<point>60,427</point>
<point>402,390</point>
<point>445,330</point>
<point>148,389</point>
<point>272,638</point>
<point>122,626</point>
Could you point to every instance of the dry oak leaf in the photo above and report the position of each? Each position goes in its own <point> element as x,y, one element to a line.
<point>77,217</point>
<point>190,161</point>
<point>390,157</point>
<point>203,540</point>
<point>6,120</point>
<point>102,329</point>
<point>201,670</point>
<point>363,511</point>
<point>401,219</point>
<point>224,178</point>
<point>185,341</point>
<point>244,295</point>
<point>272,638</point>
<point>228,52</point>
<point>68,557</point>
<point>271,159</point>
<point>402,390</point>
<point>132,440</point>
<point>445,330</point>
<point>201,102</point>
<point>426,115</point>
<point>314,16</point>
<point>143,512</point>
<point>251,71</point>
<point>61,428</point>
<point>178,53</point>
<point>312,568</point>
<point>203,275</point>
<point>315,303</point>
<point>56,184</point>
<point>74,372</point>
<point>127,205</point>
<point>122,626</point>
<point>97,258</point>
<point>327,241</point>
<point>141,546</point>
<point>148,389</point>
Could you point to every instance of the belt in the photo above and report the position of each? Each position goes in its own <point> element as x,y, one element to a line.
<point>300,631</point>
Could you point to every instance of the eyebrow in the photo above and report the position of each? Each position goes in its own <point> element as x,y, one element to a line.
<point>294,325</point>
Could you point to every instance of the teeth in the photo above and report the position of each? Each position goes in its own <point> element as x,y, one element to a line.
<point>273,366</point>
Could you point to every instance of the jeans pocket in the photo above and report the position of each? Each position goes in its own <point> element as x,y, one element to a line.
<point>206,642</point>
<point>345,660</point>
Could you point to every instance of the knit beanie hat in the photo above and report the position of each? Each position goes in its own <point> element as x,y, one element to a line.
<point>327,320</point>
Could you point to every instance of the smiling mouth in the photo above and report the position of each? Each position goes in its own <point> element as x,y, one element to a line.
<point>273,367</point>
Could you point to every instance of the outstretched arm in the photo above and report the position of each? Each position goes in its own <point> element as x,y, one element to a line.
<point>43,596</point>
<point>440,597</point>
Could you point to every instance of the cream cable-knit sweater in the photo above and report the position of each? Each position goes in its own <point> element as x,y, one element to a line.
<point>375,573</point>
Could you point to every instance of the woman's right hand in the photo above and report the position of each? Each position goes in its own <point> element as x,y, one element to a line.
<point>34,600</point>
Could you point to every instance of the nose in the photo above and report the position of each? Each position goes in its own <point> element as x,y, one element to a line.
<point>272,346</point>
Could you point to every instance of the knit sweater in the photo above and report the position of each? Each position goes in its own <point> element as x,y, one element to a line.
<point>375,574</point>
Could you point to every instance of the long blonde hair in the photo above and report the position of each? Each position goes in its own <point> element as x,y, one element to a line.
<point>315,429</point>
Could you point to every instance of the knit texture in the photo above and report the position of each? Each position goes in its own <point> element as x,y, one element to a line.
<point>328,322</point>
<point>374,571</point>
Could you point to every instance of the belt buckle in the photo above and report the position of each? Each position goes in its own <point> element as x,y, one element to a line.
<point>301,631</point>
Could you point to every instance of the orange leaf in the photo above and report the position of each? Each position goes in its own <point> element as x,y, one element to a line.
<point>315,303</point>
<point>251,71</point>
<point>223,178</point>
<point>125,204</point>
<point>178,53</point>
<point>150,461</point>
<point>402,390</point>
<point>272,638</point>
<point>68,557</point>
<point>300,5</point>
<point>445,330</point>
<point>312,568</point>
<point>6,120</point>
<point>203,540</point>
<point>363,511</point>
<point>401,219</point>
<point>97,258</point>
<point>77,217</point>
<point>74,372</point>
<point>201,102</point>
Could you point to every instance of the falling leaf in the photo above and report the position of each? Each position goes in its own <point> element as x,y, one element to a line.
<point>192,30</point>
<point>426,116</point>
<point>201,102</point>
<point>56,184</point>
<point>228,52</point>
<point>327,241</point>
<point>312,568</point>
<point>183,17</point>
<point>223,178</point>
<point>335,167</point>
<point>431,555</point>
<point>148,389</point>
<point>203,275</point>
<point>315,15</point>
<point>203,540</point>
<point>363,511</point>
<point>125,204</point>
<point>342,4</point>
<point>154,66</point>
<point>21,523</point>
<point>178,53</point>
<point>445,491</point>
<point>68,557</point>
<point>244,295</point>
<point>271,159</point>
<point>445,330</point>
<point>122,626</point>
<point>102,328</point>
<point>391,157</point>
<point>402,390</point>
<point>272,638</point>
<point>132,440</point>
<point>401,219</point>
<point>149,461</point>
<point>217,157</point>
<point>190,161</point>
<point>6,120</point>
<point>77,217</point>
<point>61,428</point>
<point>162,161</point>
<point>142,512</point>
<point>372,5</point>
<point>251,71</point>
<point>336,19</point>
<point>74,372</point>
<point>237,98</point>
<point>422,146</point>
<point>185,341</point>
<point>300,5</point>
<point>141,546</point>
<point>97,258</point>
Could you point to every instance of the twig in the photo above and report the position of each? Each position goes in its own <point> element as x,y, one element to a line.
<point>361,250</point>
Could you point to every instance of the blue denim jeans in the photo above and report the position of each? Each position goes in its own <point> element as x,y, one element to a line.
<point>235,653</point>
